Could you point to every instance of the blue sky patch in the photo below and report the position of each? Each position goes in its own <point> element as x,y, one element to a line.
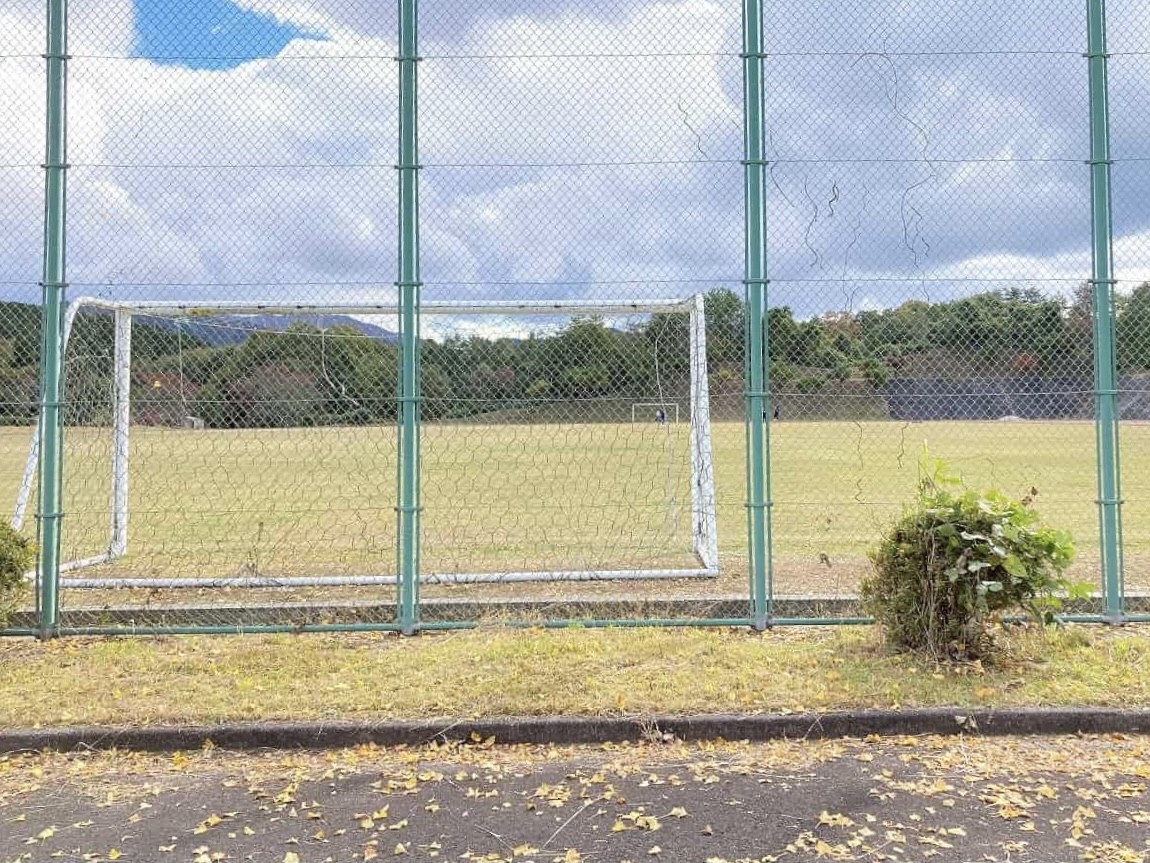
<point>208,34</point>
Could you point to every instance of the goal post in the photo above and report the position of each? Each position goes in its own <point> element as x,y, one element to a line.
<point>119,419</point>
<point>121,422</point>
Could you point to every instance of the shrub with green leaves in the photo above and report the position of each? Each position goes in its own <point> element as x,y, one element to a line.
<point>956,560</point>
<point>17,555</point>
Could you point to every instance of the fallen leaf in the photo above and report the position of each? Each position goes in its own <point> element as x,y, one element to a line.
<point>834,820</point>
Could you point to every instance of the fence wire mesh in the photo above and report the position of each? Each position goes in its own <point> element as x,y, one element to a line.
<point>1130,97</point>
<point>928,251</point>
<point>22,96</point>
<point>928,239</point>
<point>571,155</point>
<point>258,458</point>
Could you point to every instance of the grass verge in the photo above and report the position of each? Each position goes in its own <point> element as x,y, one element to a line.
<point>509,672</point>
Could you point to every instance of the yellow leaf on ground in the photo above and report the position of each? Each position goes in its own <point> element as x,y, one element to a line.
<point>829,819</point>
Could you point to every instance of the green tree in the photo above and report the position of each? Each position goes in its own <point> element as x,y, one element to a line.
<point>1133,331</point>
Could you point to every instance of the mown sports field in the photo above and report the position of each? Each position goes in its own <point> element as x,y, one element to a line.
<point>320,501</point>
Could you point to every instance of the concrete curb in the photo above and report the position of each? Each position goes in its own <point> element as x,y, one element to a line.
<point>573,729</point>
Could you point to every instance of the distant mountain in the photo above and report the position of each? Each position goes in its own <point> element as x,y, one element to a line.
<point>226,330</point>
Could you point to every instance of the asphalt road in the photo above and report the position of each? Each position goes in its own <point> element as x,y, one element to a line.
<point>892,799</point>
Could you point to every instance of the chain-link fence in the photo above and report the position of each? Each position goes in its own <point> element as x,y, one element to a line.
<point>434,313</point>
<point>930,237</point>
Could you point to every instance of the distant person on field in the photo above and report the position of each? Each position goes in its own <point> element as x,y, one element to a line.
<point>660,416</point>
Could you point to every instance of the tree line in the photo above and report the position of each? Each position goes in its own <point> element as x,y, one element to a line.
<point>304,374</point>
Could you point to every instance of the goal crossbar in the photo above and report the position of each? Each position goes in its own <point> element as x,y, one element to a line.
<point>180,309</point>
<point>704,530</point>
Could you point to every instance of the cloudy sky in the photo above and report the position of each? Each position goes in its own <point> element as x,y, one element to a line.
<point>588,148</point>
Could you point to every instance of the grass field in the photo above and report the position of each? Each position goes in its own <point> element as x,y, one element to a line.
<point>547,672</point>
<point>520,497</point>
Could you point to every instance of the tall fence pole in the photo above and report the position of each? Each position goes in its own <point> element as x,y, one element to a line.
<point>757,395</point>
<point>51,341</point>
<point>1102,281</point>
<point>409,298</point>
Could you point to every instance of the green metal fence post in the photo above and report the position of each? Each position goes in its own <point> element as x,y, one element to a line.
<point>409,299</point>
<point>51,340</point>
<point>1102,280</point>
<point>757,395</point>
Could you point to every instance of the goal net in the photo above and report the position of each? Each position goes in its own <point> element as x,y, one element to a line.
<point>232,445</point>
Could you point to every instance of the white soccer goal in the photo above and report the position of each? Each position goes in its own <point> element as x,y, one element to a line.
<point>696,468</point>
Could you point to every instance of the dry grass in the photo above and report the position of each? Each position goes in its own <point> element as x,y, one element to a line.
<point>508,672</point>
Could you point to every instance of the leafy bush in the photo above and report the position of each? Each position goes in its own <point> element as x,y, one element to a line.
<point>17,555</point>
<point>956,560</point>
